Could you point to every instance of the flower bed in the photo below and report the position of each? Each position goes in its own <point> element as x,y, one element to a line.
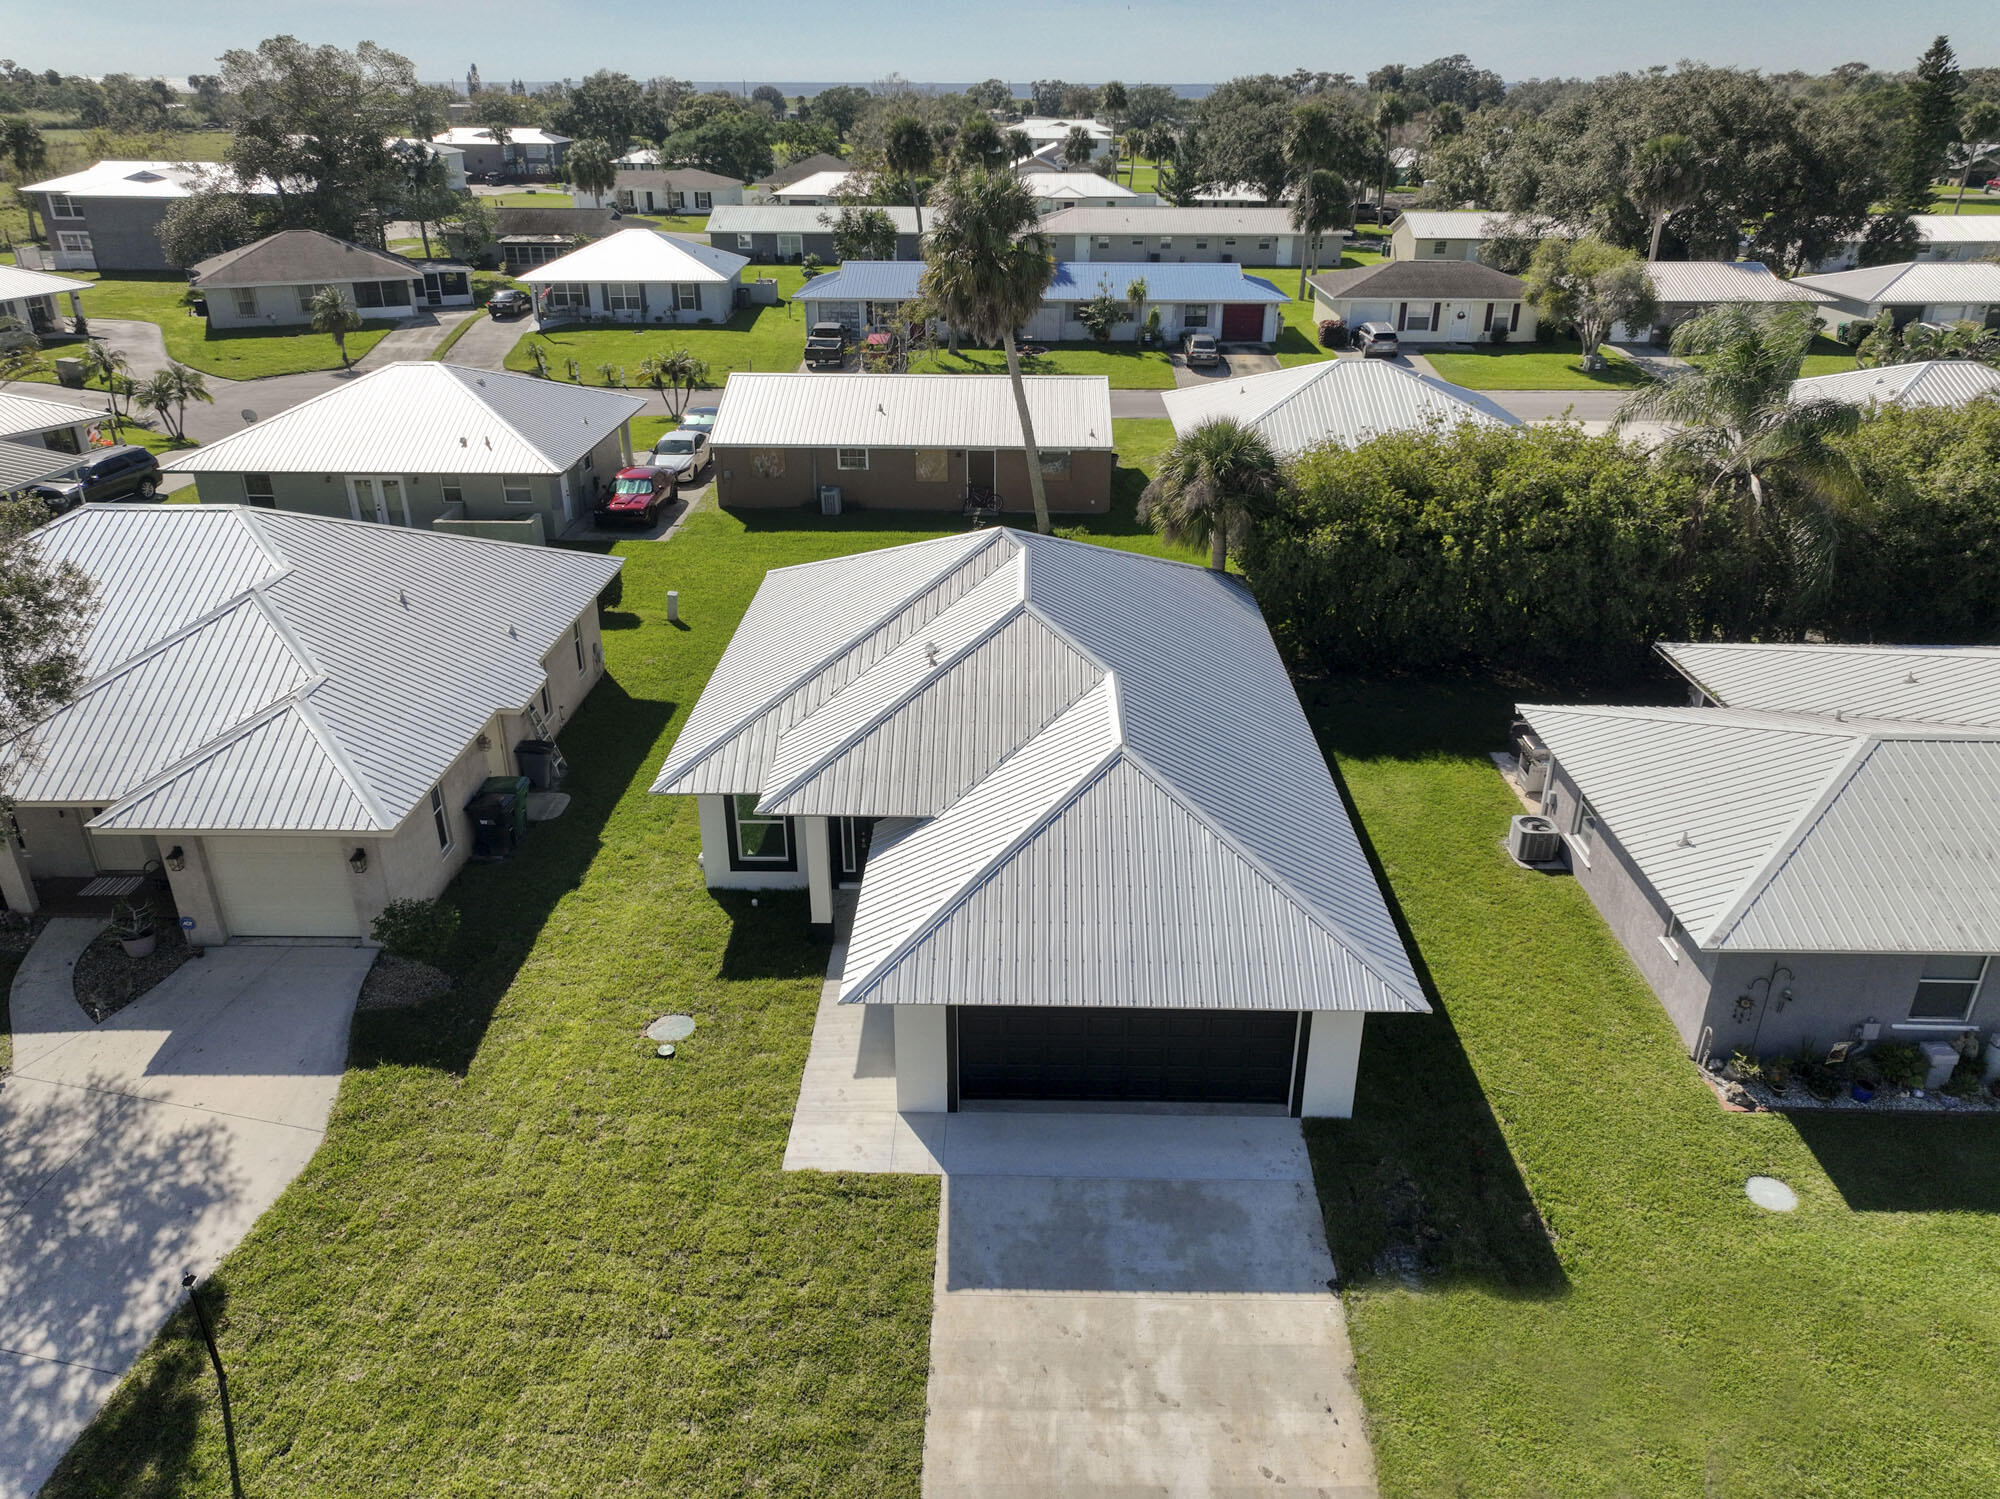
<point>105,980</point>
<point>1879,1079</point>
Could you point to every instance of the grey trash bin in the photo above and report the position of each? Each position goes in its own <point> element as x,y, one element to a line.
<point>542,763</point>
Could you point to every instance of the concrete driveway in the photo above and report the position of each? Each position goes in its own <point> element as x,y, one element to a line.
<point>136,1149</point>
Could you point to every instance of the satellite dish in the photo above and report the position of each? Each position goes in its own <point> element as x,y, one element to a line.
<point>249,416</point>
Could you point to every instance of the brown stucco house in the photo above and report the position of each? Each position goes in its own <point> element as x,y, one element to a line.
<point>910,442</point>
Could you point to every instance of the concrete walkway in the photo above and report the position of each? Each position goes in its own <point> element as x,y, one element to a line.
<point>136,1149</point>
<point>1123,1304</point>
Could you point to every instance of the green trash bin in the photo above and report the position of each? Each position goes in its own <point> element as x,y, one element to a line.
<point>516,787</point>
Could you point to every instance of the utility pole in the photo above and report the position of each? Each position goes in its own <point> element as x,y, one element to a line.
<point>221,1381</point>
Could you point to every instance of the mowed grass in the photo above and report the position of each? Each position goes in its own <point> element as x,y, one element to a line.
<point>1536,366</point>
<point>1648,1332</point>
<point>1127,366</point>
<point>532,198</point>
<point>235,355</point>
<point>1946,200</point>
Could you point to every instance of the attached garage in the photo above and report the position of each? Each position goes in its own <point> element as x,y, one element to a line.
<point>1242,323</point>
<point>1121,1055</point>
<point>283,887</point>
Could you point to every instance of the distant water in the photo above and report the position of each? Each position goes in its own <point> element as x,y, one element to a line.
<point>793,90</point>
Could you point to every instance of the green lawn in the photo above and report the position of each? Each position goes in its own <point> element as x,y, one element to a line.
<point>547,197</point>
<point>1537,366</point>
<point>1828,356</point>
<point>760,338</point>
<point>680,223</point>
<point>1975,201</point>
<point>236,355</point>
<point>1662,1336</point>
<point>1128,366</point>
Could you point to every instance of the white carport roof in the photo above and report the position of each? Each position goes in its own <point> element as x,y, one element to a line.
<point>1106,791</point>
<point>421,417</point>
<point>1926,382</point>
<point>642,255</point>
<point>16,283</point>
<point>1338,400</point>
<point>256,670</point>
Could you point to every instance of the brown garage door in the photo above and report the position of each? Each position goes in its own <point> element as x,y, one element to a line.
<point>1243,322</point>
<point>1180,1056</point>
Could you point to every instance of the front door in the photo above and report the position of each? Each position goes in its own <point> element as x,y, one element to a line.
<point>979,468</point>
<point>378,498</point>
<point>851,837</point>
<point>433,291</point>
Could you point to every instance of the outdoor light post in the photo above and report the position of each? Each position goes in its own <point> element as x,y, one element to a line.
<point>221,1381</point>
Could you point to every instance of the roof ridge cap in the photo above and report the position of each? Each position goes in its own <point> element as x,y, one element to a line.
<point>330,742</point>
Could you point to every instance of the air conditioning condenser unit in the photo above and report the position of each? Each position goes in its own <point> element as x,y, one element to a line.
<point>1534,840</point>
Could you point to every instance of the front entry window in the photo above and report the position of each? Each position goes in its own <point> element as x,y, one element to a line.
<point>757,840</point>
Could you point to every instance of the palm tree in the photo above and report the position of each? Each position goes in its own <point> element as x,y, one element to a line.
<point>908,150</point>
<point>979,143</point>
<point>102,362</point>
<point>333,313</point>
<point>166,395</point>
<point>1390,112</point>
<point>1136,292</point>
<point>1666,177</point>
<point>989,267</point>
<point>1019,146</point>
<point>1213,482</point>
<point>592,168</point>
<point>1079,148</point>
<point>1312,137</point>
<point>1113,101</point>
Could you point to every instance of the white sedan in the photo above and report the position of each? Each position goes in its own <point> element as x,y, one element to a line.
<point>683,454</point>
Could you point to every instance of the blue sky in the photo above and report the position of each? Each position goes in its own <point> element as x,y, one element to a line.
<point>1167,41</point>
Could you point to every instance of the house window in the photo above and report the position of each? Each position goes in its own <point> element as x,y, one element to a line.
<point>1417,321</point>
<point>454,491</point>
<point>576,639</point>
<point>852,460</point>
<point>758,841</point>
<point>1055,465</point>
<point>1438,247</point>
<point>1514,319</point>
<point>438,819</point>
<point>367,293</point>
<point>1166,242</point>
<point>569,294</point>
<point>63,206</point>
<point>72,242</point>
<point>1584,833</point>
<point>747,242</point>
<point>622,296</point>
<point>703,202</point>
<point>1489,317</point>
<point>306,295</point>
<point>516,489</point>
<point>1201,244</point>
<point>1195,315</point>
<point>1263,244</point>
<point>246,301</point>
<point>1227,243</point>
<point>790,245</point>
<point>1948,989</point>
<point>688,298</point>
<point>1136,241</point>
<point>381,294</point>
<point>257,490</point>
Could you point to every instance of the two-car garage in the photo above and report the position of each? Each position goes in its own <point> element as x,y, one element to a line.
<point>1018,1052</point>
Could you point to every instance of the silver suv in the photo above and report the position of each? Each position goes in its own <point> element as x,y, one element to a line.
<point>1376,338</point>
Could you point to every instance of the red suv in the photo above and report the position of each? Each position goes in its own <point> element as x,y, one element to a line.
<point>636,495</point>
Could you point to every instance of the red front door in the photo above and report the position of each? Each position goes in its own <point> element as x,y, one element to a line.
<point>1242,322</point>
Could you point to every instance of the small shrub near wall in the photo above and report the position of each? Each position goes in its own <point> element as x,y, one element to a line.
<point>421,930</point>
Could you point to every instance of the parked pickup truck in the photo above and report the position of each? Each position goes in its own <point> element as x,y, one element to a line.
<point>826,343</point>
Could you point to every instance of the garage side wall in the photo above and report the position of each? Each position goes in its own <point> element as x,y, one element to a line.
<point>408,865</point>
<point>1333,1059</point>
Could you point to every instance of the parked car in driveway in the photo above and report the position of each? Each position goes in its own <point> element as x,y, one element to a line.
<point>826,343</point>
<point>698,418</point>
<point>125,473</point>
<point>682,453</point>
<point>1376,340</point>
<point>509,302</point>
<point>1202,351</point>
<point>636,495</point>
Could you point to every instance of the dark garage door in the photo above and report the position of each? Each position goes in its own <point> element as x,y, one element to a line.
<point>1243,322</point>
<point>1180,1056</point>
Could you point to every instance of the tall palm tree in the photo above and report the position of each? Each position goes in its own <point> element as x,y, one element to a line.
<point>989,267</point>
<point>1079,149</point>
<point>1213,482</point>
<point>333,313</point>
<point>102,362</point>
<point>908,149</point>
<point>1666,177</point>
<point>1312,137</point>
<point>592,168</point>
<point>1136,292</point>
<point>1390,112</point>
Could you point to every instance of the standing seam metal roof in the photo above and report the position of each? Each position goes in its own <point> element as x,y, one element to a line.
<point>1337,400</point>
<point>1958,685</point>
<point>799,410</point>
<point>1927,382</point>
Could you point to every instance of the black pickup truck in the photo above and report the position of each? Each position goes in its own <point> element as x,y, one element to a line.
<point>826,343</point>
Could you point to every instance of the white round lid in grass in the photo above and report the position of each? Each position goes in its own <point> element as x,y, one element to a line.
<point>1771,1194</point>
<point>671,1028</point>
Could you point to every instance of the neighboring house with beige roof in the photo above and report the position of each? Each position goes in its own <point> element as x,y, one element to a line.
<point>271,282</point>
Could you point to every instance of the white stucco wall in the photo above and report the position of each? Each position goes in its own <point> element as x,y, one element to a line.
<point>717,874</point>
<point>1333,1059</point>
<point>923,1061</point>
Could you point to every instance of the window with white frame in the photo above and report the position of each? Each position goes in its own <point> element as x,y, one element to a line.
<point>852,460</point>
<point>1201,244</point>
<point>622,296</point>
<point>454,490</point>
<point>1166,242</point>
<point>1195,315</point>
<point>749,242</point>
<point>73,241</point>
<point>791,244</point>
<point>1104,242</point>
<point>1584,832</point>
<point>703,202</point>
<point>257,490</point>
<point>758,840</point>
<point>687,297</point>
<point>440,820</point>
<point>517,489</point>
<point>1948,989</point>
<point>567,294</point>
<point>245,298</point>
<point>63,206</point>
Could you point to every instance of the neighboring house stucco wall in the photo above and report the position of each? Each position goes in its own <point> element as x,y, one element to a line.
<point>1464,320</point>
<point>124,233</point>
<point>714,301</point>
<point>653,191</point>
<point>283,306</point>
<point>764,248</point>
<point>890,481</point>
<point>1056,322</point>
<point>1244,249</point>
<point>1403,245</point>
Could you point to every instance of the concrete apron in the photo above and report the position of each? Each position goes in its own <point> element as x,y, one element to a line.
<point>1123,1304</point>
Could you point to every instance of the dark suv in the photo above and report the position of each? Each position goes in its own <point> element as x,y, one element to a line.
<point>126,473</point>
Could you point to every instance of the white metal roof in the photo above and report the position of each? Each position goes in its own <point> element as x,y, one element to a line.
<point>1076,185</point>
<point>1124,803</point>
<point>794,410</point>
<point>1926,382</point>
<point>1698,282</point>
<point>641,255</point>
<point>796,218</point>
<point>813,185</point>
<point>22,464</point>
<point>422,417</point>
<point>1957,685</point>
<point>259,670</point>
<point>16,283</point>
<point>1912,283</point>
<point>1471,223</point>
<point>1957,228</point>
<point>143,179</point>
<point>1339,400</point>
<point>517,135</point>
<point>1163,219</point>
<point>1051,128</point>
<point>1772,832</point>
<point>21,413</point>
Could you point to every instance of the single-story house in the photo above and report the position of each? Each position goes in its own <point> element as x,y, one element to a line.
<point>41,439</point>
<point>638,276</point>
<point>1923,382</point>
<point>1809,855</point>
<point>673,190</point>
<point>285,715</point>
<point>1073,883</point>
<point>1058,190</point>
<point>1432,302</point>
<point>1251,236</point>
<point>1208,296</point>
<point>1688,288</point>
<point>1432,234</point>
<point>1344,401</point>
<point>424,444</point>
<point>785,233</point>
<point>1047,135</point>
<point>860,295</point>
<point>107,217</point>
<point>1922,291</point>
<point>453,158</point>
<point>815,189</point>
<point>1943,236</point>
<point>1237,195</point>
<point>797,171</point>
<point>29,298</point>
<point>529,237</point>
<point>270,282</point>
<point>528,151</point>
<point>911,442</point>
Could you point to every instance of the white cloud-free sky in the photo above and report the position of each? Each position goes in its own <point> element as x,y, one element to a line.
<point>957,41</point>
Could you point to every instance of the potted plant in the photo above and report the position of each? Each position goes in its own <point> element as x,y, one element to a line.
<point>133,923</point>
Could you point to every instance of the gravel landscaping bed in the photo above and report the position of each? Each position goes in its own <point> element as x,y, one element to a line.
<point>395,983</point>
<point>106,980</point>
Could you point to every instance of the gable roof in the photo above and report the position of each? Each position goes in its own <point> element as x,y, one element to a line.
<point>16,283</point>
<point>1421,278</point>
<point>799,410</point>
<point>23,413</point>
<point>1682,282</point>
<point>1336,400</point>
<point>1912,282</point>
<point>1090,830</point>
<point>1772,832</point>
<point>258,670</point>
<point>301,255</point>
<point>815,184</point>
<point>1076,185</point>
<point>795,218</point>
<point>422,417</point>
<point>548,223</point>
<point>1923,684</point>
<point>1452,223</point>
<point>1926,382</point>
<point>641,255</point>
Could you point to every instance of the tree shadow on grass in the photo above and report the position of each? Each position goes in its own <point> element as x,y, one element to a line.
<point>1907,1164</point>
<point>504,906</point>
